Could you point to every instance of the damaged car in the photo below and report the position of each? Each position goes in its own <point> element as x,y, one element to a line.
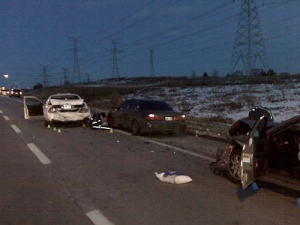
<point>147,116</point>
<point>269,150</point>
<point>61,107</point>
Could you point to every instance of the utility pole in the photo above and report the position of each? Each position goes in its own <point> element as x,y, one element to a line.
<point>151,74</point>
<point>249,43</point>
<point>76,78</point>
<point>45,76</point>
<point>115,70</point>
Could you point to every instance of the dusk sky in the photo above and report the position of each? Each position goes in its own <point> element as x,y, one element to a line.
<point>185,36</point>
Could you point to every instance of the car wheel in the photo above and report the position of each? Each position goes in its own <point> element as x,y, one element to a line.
<point>234,170</point>
<point>136,128</point>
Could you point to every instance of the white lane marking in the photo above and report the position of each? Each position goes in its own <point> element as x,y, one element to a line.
<point>16,129</point>
<point>98,218</point>
<point>6,117</point>
<point>1,111</point>
<point>39,154</point>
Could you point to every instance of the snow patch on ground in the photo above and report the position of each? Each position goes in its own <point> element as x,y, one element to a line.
<point>230,101</point>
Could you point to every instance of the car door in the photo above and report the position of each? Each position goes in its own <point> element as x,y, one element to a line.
<point>130,113</point>
<point>33,107</point>
<point>119,115</point>
<point>253,154</point>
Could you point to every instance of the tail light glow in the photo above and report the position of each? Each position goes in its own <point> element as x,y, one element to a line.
<point>179,118</point>
<point>51,110</point>
<point>152,117</point>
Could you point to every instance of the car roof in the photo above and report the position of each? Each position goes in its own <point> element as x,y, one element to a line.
<point>284,124</point>
<point>144,100</point>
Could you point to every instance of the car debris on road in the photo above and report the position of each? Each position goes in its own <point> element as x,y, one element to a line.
<point>173,177</point>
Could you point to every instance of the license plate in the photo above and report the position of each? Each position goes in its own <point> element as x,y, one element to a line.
<point>246,159</point>
<point>168,118</point>
<point>67,106</point>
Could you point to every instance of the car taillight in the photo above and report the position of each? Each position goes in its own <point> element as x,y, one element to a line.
<point>179,118</point>
<point>51,109</point>
<point>154,117</point>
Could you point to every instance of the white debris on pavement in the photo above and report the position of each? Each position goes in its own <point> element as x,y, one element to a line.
<point>173,177</point>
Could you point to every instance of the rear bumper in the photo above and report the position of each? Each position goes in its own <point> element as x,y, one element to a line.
<point>67,116</point>
<point>163,126</point>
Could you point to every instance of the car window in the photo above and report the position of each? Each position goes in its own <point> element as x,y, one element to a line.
<point>124,106</point>
<point>32,102</point>
<point>132,105</point>
<point>65,97</point>
<point>295,127</point>
<point>154,105</point>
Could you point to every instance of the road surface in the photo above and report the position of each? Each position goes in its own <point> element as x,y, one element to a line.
<point>75,175</point>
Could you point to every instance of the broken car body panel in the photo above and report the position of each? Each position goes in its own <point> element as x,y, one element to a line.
<point>65,107</point>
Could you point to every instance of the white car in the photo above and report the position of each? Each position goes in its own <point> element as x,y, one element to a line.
<point>62,107</point>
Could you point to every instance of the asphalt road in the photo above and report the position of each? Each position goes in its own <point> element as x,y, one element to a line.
<point>83,176</point>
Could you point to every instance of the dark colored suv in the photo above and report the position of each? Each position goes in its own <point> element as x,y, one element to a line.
<point>15,92</point>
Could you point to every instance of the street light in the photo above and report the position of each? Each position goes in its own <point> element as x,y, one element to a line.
<point>6,77</point>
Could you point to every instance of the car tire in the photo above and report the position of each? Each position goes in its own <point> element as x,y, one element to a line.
<point>136,128</point>
<point>234,171</point>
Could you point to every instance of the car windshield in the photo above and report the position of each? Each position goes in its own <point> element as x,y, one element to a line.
<point>154,105</point>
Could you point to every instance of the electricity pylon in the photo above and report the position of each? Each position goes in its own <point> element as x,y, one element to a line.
<point>151,74</point>
<point>76,71</point>
<point>65,77</point>
<point>249,44</point>
<point>45,76</point>
<point>115,70</point>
